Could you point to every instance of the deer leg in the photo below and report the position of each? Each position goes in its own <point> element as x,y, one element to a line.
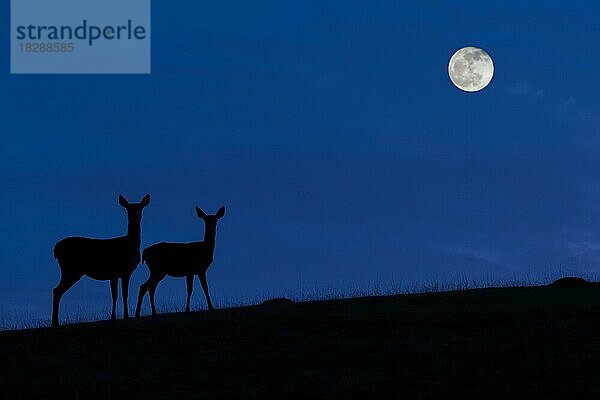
<point>125,293</point>
<point>66,282</point>
<point>114,288</point>
<point>202,278</point>
<point>190,286</point>
<point>153,286</point>
<point>143,289</point>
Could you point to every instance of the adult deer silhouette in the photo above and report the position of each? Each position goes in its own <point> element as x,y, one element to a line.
<point>179,260</point>
<point>101,259</point>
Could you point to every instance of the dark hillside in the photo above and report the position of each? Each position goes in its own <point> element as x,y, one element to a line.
<point>537,342</point>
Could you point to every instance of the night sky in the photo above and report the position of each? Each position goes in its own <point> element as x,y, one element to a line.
<point>330,130</point>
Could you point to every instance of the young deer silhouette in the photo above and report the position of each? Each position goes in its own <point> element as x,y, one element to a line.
<point>101,259</point>
<point>179,260</point>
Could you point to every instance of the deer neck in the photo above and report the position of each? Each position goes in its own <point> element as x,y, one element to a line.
<point>210,238</point>
<point>134,232</point>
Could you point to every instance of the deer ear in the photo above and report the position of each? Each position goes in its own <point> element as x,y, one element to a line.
<point>123,201</point>
<point>221,212</point>
<point>200,213</point>
<point>145,200</point>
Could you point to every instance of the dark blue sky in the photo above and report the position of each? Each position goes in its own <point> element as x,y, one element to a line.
<point>333,135</point>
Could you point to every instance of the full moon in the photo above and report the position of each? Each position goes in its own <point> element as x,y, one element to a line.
<point>471,69</point>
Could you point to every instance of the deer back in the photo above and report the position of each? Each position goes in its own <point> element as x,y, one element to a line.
<point>178,259</point>
<point>98,257</point>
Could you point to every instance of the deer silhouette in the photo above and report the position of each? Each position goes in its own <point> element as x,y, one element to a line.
<point>179,260</point>
<point>101,259</point>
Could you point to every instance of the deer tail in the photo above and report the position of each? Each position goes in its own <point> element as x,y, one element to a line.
<point>58,250</point>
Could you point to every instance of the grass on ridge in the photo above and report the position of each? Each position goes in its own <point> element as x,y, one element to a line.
<point>498,343</point>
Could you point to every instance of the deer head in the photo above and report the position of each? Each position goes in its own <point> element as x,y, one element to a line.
<point>210,221</point>
<point>134,210</point>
